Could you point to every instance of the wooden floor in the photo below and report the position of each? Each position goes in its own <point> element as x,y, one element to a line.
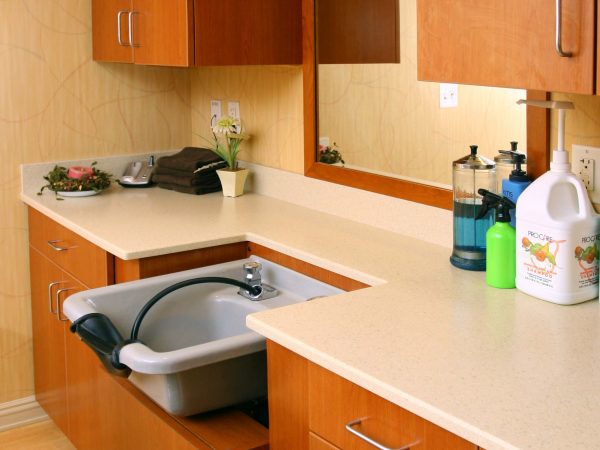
<point>39,436</point>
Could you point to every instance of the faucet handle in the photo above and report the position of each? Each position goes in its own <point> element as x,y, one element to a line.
<point>252,266</point>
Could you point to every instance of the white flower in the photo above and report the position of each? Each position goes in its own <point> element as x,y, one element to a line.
<point>226,124</point>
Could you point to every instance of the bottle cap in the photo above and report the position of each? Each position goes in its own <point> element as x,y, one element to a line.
<point>474,161</point>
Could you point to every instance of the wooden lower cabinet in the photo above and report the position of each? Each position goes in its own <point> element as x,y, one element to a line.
<point>318,405</point>
<point>94,409</point>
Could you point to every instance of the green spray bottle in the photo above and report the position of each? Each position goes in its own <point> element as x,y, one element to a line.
<point>501,242</point>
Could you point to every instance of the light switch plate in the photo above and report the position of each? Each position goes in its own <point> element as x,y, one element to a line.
<point>448,95</point>
<point>585,163</point>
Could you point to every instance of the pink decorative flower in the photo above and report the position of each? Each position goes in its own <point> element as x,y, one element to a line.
<point>77,172</point>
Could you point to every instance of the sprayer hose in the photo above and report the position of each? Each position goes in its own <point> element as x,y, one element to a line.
<point>253,290</point>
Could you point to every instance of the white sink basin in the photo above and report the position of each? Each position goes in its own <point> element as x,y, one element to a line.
<point>197,354</point>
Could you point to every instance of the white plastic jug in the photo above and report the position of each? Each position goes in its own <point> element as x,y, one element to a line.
<point>557,240</point>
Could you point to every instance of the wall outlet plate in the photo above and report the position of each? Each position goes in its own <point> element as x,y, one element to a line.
<point>585,163</point>
<point>448,95</point>
<point>215,112</point>
<point>233,109</point>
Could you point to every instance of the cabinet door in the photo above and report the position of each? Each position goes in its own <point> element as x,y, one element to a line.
<point>48,338</point>
<point>110,30</point>
<point>163,32</point>
<point>234,32</point>
<point>357,31</point>
<point>510,43</point>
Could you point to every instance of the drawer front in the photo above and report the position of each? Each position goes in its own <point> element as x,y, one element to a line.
<point>85,261</point>
<point>335,403</point>
<point>317,443</point>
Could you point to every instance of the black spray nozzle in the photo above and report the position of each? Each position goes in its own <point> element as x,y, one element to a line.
<point>502,205</point>
<point>518,174</point>
<point>473,150</point>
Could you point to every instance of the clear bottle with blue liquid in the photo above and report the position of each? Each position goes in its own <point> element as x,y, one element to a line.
<point>469,174</point>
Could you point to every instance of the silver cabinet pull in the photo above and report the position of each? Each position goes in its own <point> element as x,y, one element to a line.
<point>559,49</point>
<point>350,427</point>
<point>119,35</point>
<point>50,286</point>
<point>58,248</point>
<point>58,310</point>
<point>131,39</point>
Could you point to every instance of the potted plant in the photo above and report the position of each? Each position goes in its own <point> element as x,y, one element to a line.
<point>228,138</point>
<point>330,155</point>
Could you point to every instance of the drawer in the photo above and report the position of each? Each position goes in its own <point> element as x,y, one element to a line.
<point>316,442</point>
<point>85,261</point>
<point>335,403</point>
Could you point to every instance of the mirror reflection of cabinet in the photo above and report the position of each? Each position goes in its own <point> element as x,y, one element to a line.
<point>537,136</point>
<point>358,31</point>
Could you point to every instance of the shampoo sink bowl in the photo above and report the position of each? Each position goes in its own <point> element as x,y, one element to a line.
<point>196,353</point>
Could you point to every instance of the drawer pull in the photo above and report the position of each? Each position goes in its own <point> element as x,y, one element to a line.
<point>58,248</point>
<point>131,32</point>
<point>559,49</point>
<point>50,286</point>
<point>119,35</point>
<point>58,309</point>
<point>350,427</point>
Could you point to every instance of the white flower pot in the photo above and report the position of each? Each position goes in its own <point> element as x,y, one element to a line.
<point>233,181</point>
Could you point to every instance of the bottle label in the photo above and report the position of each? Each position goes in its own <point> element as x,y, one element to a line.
<point>551,262</point>
<point>541,263</point>
<point>586,255</point>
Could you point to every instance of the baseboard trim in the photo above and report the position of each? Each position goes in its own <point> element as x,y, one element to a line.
<point>20,412</point>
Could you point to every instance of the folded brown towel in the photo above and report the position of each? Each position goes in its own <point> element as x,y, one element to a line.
<point>189,159</point>
<point>205,179</point>
<point>166,175</point>
<point>197,190</point>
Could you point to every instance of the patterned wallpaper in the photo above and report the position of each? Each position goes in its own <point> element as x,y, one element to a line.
<point>56,103</point>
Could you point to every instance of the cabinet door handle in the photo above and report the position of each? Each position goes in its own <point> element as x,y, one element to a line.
<point>58,248</point>
<point>58,309</point>
<point>559,49</point>
<point>50,286</point>
<point>119,35</point>
<point>350,427</point>
<point>131,35</point>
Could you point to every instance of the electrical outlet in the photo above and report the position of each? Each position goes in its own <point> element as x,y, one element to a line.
<point>233,109</point>
<point>215,112</point>
<point>585,162</point>
<point>448,95</point>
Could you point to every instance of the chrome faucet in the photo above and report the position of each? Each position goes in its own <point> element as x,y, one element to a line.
<point>253,278</point>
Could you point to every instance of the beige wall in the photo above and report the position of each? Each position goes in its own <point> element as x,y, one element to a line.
<point>582,123</point>
<point>270,106</point>
<point>55,103</point>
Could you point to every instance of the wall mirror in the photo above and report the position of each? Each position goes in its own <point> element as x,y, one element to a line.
<point>361,92</point>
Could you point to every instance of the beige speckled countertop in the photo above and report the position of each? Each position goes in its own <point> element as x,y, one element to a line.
<point>497,367</point>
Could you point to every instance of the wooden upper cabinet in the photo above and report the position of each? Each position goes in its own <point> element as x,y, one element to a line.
<point>357,31</point>
<point>197,32</point>
<point>152,32</point>
<point>257,32</point>
<point>509,43</point>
